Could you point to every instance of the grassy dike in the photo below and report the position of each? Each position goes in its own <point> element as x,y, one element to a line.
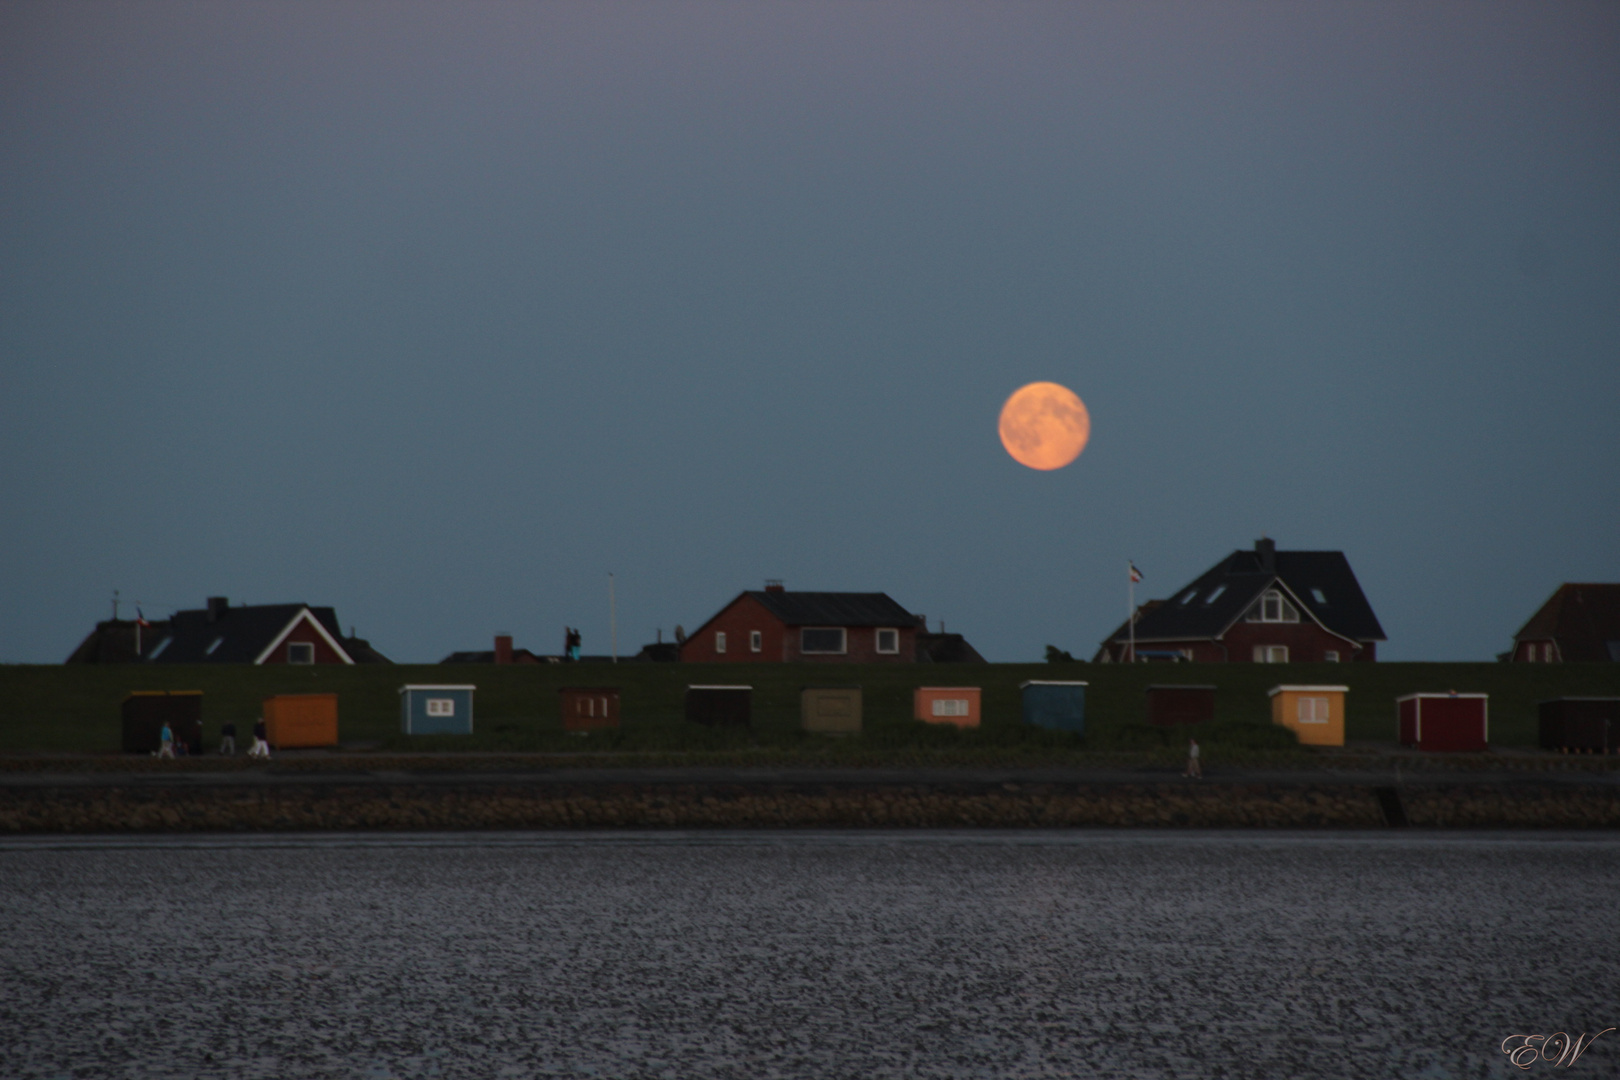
<point>56,708</point>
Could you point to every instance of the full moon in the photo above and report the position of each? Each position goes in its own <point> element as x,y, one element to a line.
<point>1044,425</point>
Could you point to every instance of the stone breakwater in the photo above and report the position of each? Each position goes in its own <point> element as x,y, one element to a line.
<point>455,806</point>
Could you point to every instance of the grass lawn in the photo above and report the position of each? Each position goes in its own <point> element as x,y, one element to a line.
<point>76,709</point>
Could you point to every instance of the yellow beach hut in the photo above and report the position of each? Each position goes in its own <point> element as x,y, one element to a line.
<point>1314,713</point>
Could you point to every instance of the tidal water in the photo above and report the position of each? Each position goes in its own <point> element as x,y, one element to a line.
<point>757,955</point>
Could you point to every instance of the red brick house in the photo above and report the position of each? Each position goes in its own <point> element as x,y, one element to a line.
<point>1260,606</point>
<point>248,634</point>
<point>1577,623</point>
<point>776,626</point>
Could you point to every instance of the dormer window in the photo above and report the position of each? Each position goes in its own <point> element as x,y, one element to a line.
<point>1272,607</point>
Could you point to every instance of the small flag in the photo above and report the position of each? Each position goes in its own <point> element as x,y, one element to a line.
<point>1136,575</point>
<point>140,620</point>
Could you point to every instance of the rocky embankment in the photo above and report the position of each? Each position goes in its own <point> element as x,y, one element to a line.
<point>111,807</point>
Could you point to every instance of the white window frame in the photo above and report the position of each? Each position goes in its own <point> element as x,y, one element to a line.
<point>1271,654</point>
<point>719,641</point>
<point>1330,656</point>
<point>950,707</point>
<point>843,641</point>
<point>1262,610</point>
<point>440,706</point>
<point>1313,710</point>
<point>877,640</point>
<point>310,645</point>
<point>756,641</point>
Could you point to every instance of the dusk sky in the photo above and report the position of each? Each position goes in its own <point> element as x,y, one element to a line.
<point>439,313</point>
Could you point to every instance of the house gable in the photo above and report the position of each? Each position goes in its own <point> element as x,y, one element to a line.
<point>304,629</point>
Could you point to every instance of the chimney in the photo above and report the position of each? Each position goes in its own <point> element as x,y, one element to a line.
<point>217,607</point>
<point>773,584</point>
<point>503,648</point>
<point>1267,550</point>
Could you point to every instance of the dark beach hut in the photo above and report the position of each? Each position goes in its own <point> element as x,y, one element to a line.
<point>589,708</point>
<point>720,706</point>
<point>1580,725</point>
<point>146,711</point>
<point>1060,706</point>
<point>1180,704</point>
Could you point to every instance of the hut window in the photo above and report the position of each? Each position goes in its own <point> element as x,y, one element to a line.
<point>441,706</point>
<point>756,641</point>
<point>888,641</point>
<point>1313,710</point>
<point>950,707</point>
<point>821,639</point>
<point>720,641</point>
<point>300,652</point>
<point>1271,654</point>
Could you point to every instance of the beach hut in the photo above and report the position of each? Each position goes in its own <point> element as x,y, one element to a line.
<point>294,720</point>
<point>1580,725</point>
<point>831,710</point>
<point>1180,704</point>
<point>1449,721</point>
<point>436,710</point>
<point>957,705</point>
<point>1314,713</point>
<point>1060,706</point>
<point>146,711</point>
<point>720,706</point>
<point>589,708</point>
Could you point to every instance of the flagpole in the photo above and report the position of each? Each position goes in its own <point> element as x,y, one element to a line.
<point>1130,604</point>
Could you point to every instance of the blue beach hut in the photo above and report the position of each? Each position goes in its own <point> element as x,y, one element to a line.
<point>436,710</point>
<point>1060,706</point>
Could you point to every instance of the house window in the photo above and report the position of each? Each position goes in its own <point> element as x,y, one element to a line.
<point>1547,653</point>
<point>1271,607</point>
<point>300,652</point>
<point>720,641</point>
<point>1313,710</point>
<point>1331,656</point>
<point>1271,654</point>
<point>1211,598</point>
<point>1189,597</point>
<point>217,642</point>
<point>950,707</point>
<point>888,641</point>
<point>756,641</point>
<point>1319,595</point>
<point>821,639</point>
<point>441,706</point>
<point>157,652</point>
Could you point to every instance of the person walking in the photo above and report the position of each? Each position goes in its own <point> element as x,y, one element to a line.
<point>227,738</point>
<point>1195,768</point>
<point>166,742</point>
<point>261,740</point>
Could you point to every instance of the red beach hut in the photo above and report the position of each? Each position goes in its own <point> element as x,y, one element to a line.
<point>1450,721</point>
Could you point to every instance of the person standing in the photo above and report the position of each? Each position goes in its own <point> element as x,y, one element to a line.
<point>1195,768</point>
<point>227,738</point>
<point>261,740</point>
<point>166,741</point>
